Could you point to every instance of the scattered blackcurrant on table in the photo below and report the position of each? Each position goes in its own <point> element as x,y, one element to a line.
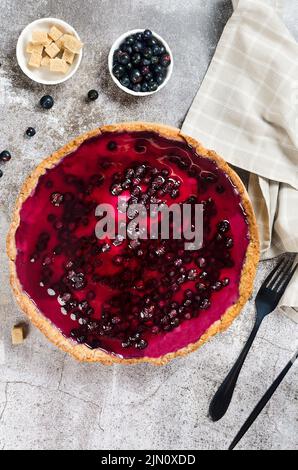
<point>92,95</point>
<point>47,102</point>
<point>30,132</point>
<point>5,156</point>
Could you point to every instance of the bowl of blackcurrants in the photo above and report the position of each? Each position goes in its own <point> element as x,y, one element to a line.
<point>140,62</point>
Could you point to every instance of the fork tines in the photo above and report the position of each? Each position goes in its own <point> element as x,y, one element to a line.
<point>281,275</point>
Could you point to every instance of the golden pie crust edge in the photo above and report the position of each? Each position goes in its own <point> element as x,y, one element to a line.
<point>82,352</point>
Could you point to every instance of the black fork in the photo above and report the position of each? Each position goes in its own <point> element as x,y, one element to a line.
<point>266,301</point>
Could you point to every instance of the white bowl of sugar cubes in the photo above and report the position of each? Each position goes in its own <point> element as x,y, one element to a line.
<point>49,51</point>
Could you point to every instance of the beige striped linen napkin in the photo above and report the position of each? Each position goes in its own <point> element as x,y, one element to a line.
<point>247,110</point>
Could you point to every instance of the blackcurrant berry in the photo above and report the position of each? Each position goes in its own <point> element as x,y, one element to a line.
<point>30,132</point>
<point>46,102</point>
<point>92,95</point>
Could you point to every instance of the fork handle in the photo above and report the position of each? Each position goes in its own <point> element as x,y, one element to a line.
<point>223,396</point>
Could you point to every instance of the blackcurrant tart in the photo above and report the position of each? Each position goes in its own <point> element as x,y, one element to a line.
<point>131,300</point>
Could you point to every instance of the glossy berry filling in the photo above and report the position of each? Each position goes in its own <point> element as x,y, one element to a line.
<point>129,297</point>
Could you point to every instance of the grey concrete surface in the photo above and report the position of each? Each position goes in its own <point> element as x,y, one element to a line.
<point>47,400</point>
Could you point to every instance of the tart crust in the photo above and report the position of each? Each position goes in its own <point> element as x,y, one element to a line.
<point>82,352</point>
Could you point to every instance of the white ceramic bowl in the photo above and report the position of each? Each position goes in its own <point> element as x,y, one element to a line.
<point>43,75</point>
<point>110,63</point>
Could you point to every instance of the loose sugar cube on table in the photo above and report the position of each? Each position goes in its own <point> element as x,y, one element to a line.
<point>17,335</point>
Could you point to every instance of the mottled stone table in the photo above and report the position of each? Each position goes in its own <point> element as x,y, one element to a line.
<point>49,401</point>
